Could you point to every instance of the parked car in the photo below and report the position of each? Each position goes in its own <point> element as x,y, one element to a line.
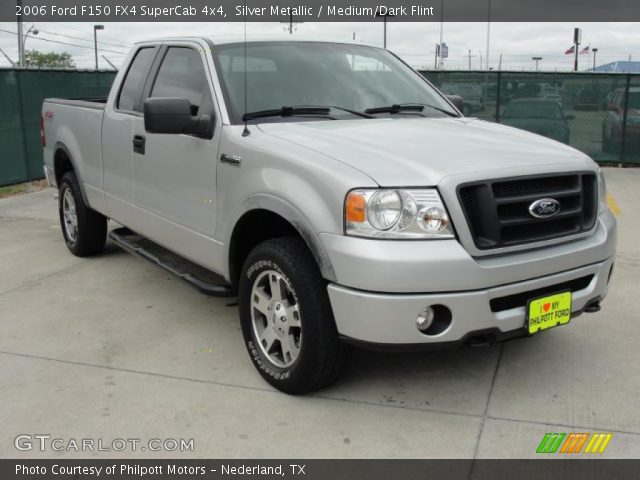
<point>613,123</point>
<point>472,95</point>
<point>341,205</point>
<point>544,117</point>
<point>588,98</point>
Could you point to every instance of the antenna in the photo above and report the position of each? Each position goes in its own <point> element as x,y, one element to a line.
<point>246,131</point>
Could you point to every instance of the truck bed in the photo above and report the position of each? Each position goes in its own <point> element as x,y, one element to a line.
<point>97,103</point>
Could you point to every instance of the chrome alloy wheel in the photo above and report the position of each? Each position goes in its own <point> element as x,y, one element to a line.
<point>275,315</point>
<point>70,215</point>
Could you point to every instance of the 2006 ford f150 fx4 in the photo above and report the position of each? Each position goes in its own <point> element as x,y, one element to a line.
<point>337,193</point>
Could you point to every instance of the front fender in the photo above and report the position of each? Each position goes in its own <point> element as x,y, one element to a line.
<point>292,214</point>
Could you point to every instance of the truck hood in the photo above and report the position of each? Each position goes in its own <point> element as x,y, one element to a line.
<point>422,151</point>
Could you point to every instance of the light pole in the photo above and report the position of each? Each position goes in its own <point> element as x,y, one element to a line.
<point>536,59</point>
<point>594,50</point>
<point>384,16</point>
<point>95,41</point>
<point>32,29</point>
<point>488,32</point>
<point>441,30</point>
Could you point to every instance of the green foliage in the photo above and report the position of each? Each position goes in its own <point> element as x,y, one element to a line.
<point>35,58</point>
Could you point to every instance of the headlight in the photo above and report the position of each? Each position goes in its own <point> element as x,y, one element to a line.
<point>602,192</point>
<point>401,214</point>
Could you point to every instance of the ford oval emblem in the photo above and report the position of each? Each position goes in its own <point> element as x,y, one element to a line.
<point>544,208</point>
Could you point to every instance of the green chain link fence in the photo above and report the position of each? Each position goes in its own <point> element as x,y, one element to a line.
<point>598,114</point>
<point>21,96</point>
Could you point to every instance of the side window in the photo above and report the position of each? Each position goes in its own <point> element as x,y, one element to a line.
<point>182,75</point>
<point>134,80</point>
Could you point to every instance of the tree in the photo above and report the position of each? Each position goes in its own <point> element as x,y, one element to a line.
<point>34,58</point>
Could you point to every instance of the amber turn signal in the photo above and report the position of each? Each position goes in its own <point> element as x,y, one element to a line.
<point>355,208</point>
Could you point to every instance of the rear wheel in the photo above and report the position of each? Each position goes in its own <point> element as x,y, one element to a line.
<point>84,230</point>
<point>286,318</point>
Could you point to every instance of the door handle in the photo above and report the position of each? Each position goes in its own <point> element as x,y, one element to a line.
<point>138,144</point>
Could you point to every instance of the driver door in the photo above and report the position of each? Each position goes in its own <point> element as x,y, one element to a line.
<point>174,175</point>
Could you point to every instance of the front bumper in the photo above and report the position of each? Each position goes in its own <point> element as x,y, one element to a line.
<point>382,286</point>
<point>390,319</point>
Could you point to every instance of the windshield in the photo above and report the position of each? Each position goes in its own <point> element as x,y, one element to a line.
<point>533,110</point>
<point>318,74</point>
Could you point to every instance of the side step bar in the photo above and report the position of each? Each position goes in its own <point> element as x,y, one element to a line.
<point>207,282</point>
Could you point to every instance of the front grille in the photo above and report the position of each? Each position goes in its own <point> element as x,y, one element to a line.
<point>497,211</point>
<point>520,299</point>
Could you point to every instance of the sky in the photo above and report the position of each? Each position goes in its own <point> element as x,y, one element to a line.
<point>517,43</point>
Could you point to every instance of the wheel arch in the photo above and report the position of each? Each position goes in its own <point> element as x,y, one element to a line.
<point>63,162</point>
<point>256,225</point>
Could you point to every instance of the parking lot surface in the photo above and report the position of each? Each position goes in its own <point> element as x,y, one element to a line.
<point>114,347</point>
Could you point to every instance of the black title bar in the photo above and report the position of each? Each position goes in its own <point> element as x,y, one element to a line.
<point>321,10</point>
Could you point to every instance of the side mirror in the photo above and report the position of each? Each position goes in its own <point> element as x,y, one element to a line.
<point>457,101</point>
<point>173,116</point>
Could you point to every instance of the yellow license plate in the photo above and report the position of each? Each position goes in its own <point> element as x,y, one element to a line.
<point>548,312</point>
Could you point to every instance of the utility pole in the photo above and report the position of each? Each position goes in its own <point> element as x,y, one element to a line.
<point>594,50</point>
<point>95,41</point>
<point>292,25</point>
<point>20,42</point>
<point>435,62</point>
<point>469,59</point>
<point>536,59</point>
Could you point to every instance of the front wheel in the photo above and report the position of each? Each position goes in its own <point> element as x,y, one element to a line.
<point>286,318</point>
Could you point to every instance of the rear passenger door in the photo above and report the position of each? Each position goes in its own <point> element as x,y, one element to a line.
<point>174,176</point>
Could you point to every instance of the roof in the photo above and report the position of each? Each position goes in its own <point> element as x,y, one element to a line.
<point>618,67</point>
<point>228,39</point>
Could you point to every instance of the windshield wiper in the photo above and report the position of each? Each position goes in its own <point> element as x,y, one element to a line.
<point>407,107</point>
<point>354,112</point>
<point>286,112</point>
<point>301,111</point>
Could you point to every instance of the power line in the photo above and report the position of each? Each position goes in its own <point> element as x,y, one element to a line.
<point>61,43</point>
<point>80,38</point>
<point>63,25</point>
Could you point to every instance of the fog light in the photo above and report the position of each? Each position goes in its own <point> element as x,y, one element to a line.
<point>425,319</point>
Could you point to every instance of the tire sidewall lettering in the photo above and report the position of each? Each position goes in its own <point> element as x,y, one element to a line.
<point>252,272</point>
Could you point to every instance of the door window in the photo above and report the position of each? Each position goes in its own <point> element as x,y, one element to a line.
<point>134,81</point>
<point>182,75</point>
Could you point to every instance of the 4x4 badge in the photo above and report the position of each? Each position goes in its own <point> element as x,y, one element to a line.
<point>544,208</point>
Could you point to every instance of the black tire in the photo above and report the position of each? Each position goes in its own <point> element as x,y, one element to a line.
<point>91,229</point>
<point>321,354</point>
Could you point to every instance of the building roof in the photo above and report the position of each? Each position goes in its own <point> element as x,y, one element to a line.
<point>618,67</point>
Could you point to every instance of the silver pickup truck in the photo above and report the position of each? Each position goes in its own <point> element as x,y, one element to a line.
<point>340,196</point>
